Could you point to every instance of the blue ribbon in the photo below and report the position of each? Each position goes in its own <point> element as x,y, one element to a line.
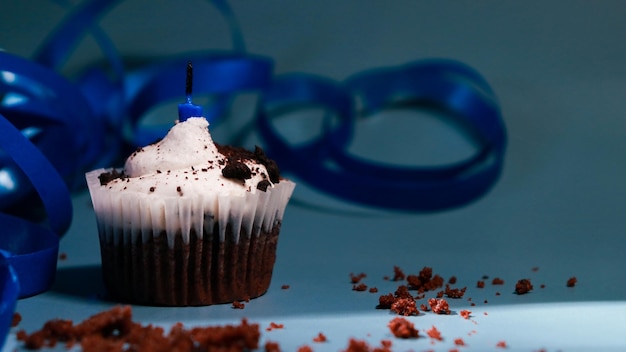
<point>9,291</point>
<point>53,130</point>
<point>31,249</point>
<point>325,164</point>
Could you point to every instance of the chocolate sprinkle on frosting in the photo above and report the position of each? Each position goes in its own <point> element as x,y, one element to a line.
<point>236,170</point>
<point>107,177</point>
<point>240,154</point>
<point>270,165</point>
<point>263,185</point>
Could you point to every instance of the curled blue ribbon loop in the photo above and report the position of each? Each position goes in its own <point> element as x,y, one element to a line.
<point>57,112</point>
<point>9,291</point>
<point>326,165</point>
<point>29,248</point>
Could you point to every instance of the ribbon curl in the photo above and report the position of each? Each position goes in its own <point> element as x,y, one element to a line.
<point>325,164</point>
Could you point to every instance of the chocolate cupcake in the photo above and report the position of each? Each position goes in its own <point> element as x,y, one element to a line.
<point>189,222</point>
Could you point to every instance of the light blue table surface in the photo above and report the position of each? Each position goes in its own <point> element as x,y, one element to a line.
<point>560,205</point>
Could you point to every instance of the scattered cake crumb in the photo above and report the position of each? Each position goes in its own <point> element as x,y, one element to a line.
<point>465,313</point>
<point>305,348</point>
<point>271,346</point>
<point>385,301</point>
<point>425,280</point>
<point>16,320</point>
<point>571,282</point>
<point>359,287</point>
<point>274,326</point>
<point>502,344</point>
<point>355,279</point>
<point>403,292</point>
<point>523,286</point>
<point>455,292</point>
<point>439,306</point>
<point>284,287</point>
<point>403,328</point>
<point>238,305</point>
<point>355,345</point>
<point>320,338</point>
<point>62,256</point>
<point>373,290</point>
<point>114,330</point>
<point>404,306</point>
<point>434,333</point>
<point>398,274</point>
<point>480,284</point>
<point>497,281</point>
<point>459,342</point>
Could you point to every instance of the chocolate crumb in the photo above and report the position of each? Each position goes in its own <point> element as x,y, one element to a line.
<point>107,177</point>
<point>263,185</point>
<point>320,338</point>
<point>236,170</point>
<point>17,318</point>
<point>571,282</point>
<point>271,346</point>
<point>523,286</point>
<point>114,330</point>
<point>356,278</point>
<point>270,165</point>
<point>402,328</point>
<point>359,287</point>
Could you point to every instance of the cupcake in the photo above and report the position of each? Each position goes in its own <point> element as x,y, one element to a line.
<point>189,222</point>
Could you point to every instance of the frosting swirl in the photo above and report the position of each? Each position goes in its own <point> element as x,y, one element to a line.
<point>187,160</point>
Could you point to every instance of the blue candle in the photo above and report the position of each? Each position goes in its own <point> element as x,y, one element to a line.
<point>187,109</point>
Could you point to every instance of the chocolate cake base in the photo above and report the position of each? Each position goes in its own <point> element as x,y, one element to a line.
<point>203,272</point>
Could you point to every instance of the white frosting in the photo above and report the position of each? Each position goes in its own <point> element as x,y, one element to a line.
<point>176,185</point>
<point>185,161</point>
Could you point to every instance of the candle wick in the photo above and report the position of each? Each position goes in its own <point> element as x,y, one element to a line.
<point>189,81</point>
<point>188,109</point>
